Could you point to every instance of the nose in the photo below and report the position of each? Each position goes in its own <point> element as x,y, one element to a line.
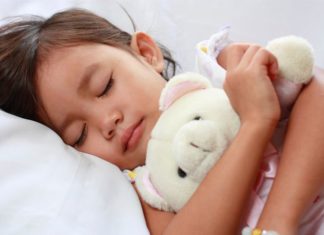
<point>109,124</point>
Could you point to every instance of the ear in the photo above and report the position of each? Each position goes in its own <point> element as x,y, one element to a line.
<point>146,47</point>
<point>180,85</point>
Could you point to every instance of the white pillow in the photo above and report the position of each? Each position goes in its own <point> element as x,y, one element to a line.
<point>47,187</point>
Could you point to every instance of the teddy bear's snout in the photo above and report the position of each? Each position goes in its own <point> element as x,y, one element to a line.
<point>194,148</point>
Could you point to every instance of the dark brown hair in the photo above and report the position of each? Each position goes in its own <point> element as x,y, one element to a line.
<point>26,42</point>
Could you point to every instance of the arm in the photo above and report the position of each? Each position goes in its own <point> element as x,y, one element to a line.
<point>301,171</point>
<point>219,202</point>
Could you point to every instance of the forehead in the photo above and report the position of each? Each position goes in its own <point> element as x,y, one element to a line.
<point>65,66</point>
<point>77,56</point>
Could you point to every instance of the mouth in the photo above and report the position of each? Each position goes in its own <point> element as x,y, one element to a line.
<point>132,135</point>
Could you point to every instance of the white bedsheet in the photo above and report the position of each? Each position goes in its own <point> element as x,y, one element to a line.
<point>47,187</point>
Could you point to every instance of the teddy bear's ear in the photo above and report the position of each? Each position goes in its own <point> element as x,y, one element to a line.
<point>180,85</point>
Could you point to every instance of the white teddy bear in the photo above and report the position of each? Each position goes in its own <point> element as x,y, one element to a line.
<point>198,123</point>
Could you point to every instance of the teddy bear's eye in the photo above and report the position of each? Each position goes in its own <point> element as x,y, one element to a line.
<point>181,173</point>
<point>197,118</point>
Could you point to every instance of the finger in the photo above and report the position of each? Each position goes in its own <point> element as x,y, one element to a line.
<point>235,55</point>
<point>274,69</point>
<point>266,58</point>
<point>249,54</point>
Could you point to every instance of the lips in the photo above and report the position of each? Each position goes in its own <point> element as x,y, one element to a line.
<point>132,135</point>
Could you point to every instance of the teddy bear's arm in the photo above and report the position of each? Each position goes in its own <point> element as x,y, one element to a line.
<point>147,191</point>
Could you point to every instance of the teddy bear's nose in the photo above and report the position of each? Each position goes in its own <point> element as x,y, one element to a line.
<point>181,173</point>
<point>197,118</point>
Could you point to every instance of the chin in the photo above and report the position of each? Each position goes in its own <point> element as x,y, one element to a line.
<point>141,156</point>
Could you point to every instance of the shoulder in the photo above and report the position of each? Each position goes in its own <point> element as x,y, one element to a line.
<point>306,121</point>
<point>314,91</point>
<point>318,80</point>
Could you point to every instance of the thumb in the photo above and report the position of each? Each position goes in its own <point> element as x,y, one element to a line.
<point>273,69</point>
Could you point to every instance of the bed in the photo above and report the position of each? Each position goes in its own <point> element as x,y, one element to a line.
<point>47,187</point>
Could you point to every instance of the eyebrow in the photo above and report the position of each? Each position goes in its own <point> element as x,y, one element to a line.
<point>87,75</point>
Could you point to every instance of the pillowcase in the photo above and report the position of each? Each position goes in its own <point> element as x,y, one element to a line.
<point>47,187</point>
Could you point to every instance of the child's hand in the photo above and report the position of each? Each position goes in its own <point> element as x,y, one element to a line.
<point>250,69</point>
<point>232,50</point>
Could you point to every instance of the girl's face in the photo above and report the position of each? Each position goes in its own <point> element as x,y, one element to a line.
<point>102,100</point>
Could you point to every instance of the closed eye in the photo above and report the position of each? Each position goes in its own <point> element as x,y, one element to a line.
<point>107,87</point>
<point>82,136</point>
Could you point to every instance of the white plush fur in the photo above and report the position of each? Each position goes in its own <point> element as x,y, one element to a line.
<point>199,124</point>
<point>170,145</point>
<point>295,57</point>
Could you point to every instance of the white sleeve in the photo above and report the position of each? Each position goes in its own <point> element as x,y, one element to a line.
<point>206,54</point>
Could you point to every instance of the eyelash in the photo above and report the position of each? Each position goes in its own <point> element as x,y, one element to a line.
<point>82,137</point>
<point>107,87</point>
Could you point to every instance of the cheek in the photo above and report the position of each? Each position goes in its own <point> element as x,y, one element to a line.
<point>150,94</point>
<point>139,98</point>
<point>96,145</point>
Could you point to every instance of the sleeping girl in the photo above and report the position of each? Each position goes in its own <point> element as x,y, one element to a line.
<point>98,88</point>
